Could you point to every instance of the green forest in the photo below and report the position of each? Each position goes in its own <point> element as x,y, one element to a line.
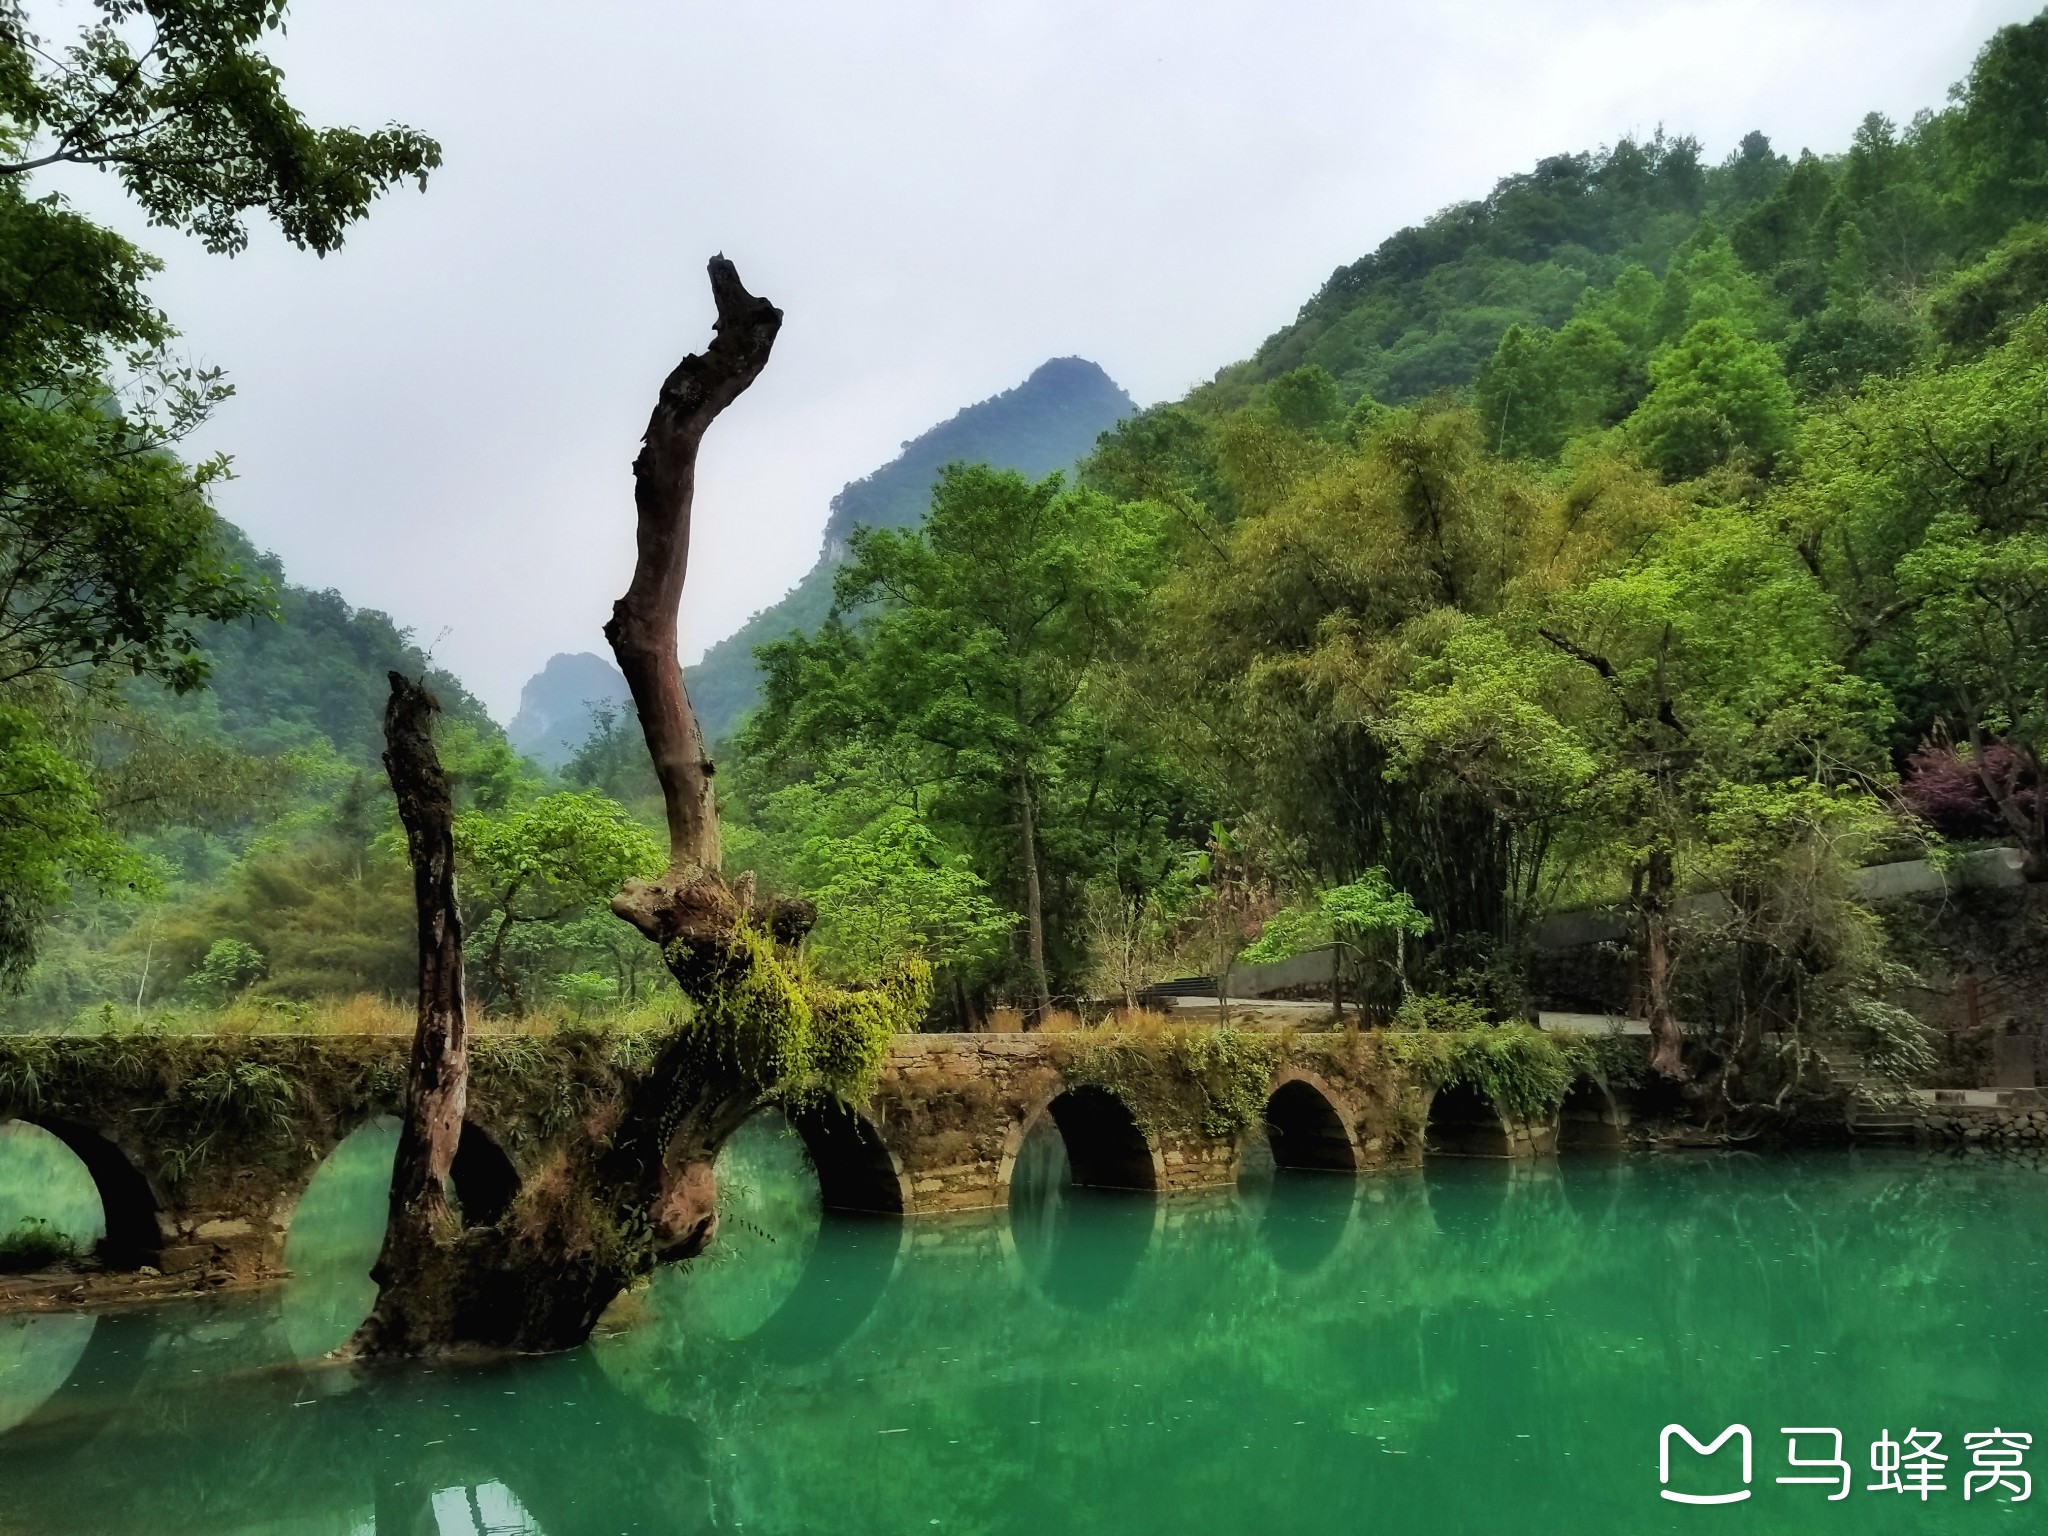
<point>1649,527</point>
<point>1048,422</point>
<point>1653,525</point>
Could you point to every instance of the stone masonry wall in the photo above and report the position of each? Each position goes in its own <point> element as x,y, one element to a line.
<point>201,1148</point>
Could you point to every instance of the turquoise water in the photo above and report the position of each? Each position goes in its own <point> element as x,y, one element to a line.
<point>1473,1348</point>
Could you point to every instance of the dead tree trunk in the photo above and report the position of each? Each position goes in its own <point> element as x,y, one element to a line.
<point>634,1187</point>
<point>689,911</point>
<point>408,1311</point>
<point>1667,1036</point>
<point>1034,905</point>
<point>688,899</point>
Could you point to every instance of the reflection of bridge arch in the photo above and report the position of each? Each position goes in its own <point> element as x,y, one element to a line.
<point>1105,1146</point>
<point>1594,1187</point>
<point>1305,1220</point>
<point>850,1266</point>
<point>845,1181</point>
<point>72,1415</point>
<point>39,1353</point>
<point>1305,1127</point>
<point>844,1277</point>
<point>1494,1209</point>
<point>1073,1233</point>
<point>1080,1249</point>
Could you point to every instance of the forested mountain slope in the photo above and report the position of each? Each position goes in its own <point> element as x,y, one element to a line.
<point>1426,308</point>
<point>1048,422</point>
<point>256,811</point>
<point>317,674</point>
<point>1653,523</point>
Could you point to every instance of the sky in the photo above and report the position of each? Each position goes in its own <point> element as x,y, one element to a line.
<point>440,419</point>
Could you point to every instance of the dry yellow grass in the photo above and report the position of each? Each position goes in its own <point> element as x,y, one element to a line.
<point>1146,1023</point>
<point>365,1013</point>
<point>1058,1021</point>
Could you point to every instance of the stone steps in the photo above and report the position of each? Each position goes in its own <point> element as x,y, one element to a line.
<point>1872,1113</point>
<point>1880,1126</point>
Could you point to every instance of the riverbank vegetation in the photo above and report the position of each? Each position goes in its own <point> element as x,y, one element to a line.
<point>1653,527</point>
<point>1656,525</point>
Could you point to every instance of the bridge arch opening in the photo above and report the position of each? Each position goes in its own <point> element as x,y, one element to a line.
<point>854,1168</point>
<point>123,1231</point>
<point>1306,1131</point>
<point>49,1199</point>
<point>1464,1123</point>
<point>336,1232</point>
<point>482,1178</point>
<point>1587,1120</point>
<point>1105,1147</point>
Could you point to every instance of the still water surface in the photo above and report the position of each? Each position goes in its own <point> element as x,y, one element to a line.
<point>1470,1349</point>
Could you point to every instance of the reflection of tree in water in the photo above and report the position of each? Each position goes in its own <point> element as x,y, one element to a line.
<point>666,1341</point>
<point>1465,1348</point>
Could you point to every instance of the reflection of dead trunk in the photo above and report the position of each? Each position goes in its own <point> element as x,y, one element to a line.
<point>1034,907</point>
<point>1667,1036</point>
<point>437,1090</point>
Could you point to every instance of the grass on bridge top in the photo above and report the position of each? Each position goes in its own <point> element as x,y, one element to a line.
<point>363,1014</point>
<point>367,1013</point>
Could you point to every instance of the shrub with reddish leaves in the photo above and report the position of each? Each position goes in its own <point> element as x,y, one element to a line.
<point>1944,787</point>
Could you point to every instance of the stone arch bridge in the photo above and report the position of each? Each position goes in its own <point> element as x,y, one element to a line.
<point>200,1165</point>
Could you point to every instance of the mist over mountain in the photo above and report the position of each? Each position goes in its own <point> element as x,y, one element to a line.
<point>1048,422</point>
<point>557,705</point>
<point>316,674</point>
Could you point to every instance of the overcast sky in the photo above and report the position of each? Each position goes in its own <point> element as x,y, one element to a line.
<point>440,420</point>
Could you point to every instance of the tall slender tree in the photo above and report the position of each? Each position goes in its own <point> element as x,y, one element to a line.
<point>976,637</point>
